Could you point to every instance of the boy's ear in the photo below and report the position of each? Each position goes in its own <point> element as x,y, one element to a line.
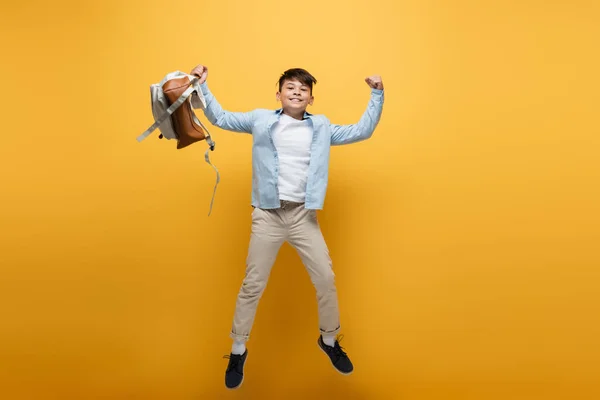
<point>278,96</point>
<point>312,99</point>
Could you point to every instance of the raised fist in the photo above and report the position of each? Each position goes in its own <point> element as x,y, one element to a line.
<point>374,82</point>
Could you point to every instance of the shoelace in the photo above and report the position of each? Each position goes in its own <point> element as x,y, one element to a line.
<point>337,349</point>
<point>234,360</point>
<point>340,348</point>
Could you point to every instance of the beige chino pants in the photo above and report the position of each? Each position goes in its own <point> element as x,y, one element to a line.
<point>270,229</point>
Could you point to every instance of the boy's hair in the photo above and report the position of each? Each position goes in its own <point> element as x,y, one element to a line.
<point>299,74</point>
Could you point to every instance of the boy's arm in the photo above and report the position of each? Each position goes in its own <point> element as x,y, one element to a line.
<point>346,134</point>
<point>231,121</point>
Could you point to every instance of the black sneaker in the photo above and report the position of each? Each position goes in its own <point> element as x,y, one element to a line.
<point>234,375</point>
<point>338,357</point>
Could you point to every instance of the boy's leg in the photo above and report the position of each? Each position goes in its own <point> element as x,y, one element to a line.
<point>268,234</point>
<point>307,239</point>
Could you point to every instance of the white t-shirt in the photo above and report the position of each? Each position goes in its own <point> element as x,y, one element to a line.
<point>292,139</point>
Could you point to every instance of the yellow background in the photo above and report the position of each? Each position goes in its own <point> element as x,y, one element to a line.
<point>464,234</point>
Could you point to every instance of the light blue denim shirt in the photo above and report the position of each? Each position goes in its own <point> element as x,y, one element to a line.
<point>265,163</point>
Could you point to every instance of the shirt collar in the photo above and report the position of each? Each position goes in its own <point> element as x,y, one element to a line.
<point>307,115</point>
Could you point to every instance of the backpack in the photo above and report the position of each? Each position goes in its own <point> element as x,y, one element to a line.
<point>172,100</point>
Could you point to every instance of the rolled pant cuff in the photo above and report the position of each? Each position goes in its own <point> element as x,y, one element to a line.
<point>332,333</point>
<point>239,338</point>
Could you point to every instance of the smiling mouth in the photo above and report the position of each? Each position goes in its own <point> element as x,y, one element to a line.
<point>295,100</point>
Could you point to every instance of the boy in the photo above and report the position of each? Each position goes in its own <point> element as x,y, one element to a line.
<point>290,157</point>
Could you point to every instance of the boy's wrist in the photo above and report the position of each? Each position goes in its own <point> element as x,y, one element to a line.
<point>204,87</point>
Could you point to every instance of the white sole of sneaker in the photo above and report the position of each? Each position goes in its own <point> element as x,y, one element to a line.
<point>337,370</point>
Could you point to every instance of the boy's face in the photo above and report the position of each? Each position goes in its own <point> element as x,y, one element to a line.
<point>295,96</point>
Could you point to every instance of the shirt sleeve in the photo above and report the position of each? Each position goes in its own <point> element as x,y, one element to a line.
<point>364,128</point>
